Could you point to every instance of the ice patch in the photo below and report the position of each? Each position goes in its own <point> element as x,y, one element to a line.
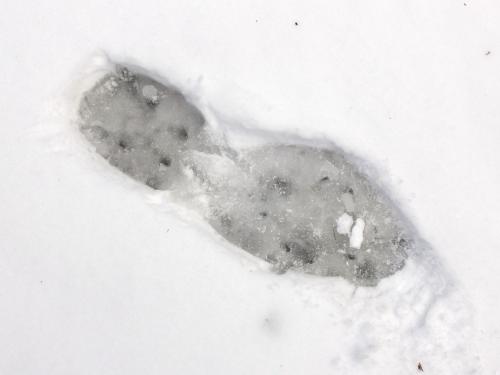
<point>348,200</point>
<point>275,200</point>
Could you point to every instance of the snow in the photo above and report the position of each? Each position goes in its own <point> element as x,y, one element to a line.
<point>100,275</point>
<point>344,224</point>
<point>356,238</point>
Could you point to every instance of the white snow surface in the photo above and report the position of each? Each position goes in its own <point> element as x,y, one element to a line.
<point>344,223</point>
<point>100,275</point>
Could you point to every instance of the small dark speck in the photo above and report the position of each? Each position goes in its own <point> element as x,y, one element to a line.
<point>296,23</point>
<point>168,230</point>
<point>123,144</point>
<point>465,4</point>
<point>419,367</point>
<point>488,53</point>
<point>166,161</point>
<point>183,134</point>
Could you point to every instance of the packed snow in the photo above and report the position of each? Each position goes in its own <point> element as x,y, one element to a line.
<point>344,224</point>
<point>102,274</point>
<point>356,238</point>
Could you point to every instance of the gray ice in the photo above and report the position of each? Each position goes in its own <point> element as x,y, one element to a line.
<point>298,207</point>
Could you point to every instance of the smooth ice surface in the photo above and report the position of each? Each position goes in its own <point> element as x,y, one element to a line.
<point>278,201</point>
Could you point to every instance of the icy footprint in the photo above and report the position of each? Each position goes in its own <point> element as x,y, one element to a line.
<point>298,207</point>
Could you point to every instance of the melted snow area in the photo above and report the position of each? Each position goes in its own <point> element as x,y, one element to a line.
<point>278,201</point>
<point>101,273</point>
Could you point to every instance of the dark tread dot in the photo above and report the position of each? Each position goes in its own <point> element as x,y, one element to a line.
<point>182,133</point>
<point>123,144</point>
<point>300,253</point>
<point>366,271</point>
<point>126,75</point>
<point>152,103</point>
<point>166,161</point>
